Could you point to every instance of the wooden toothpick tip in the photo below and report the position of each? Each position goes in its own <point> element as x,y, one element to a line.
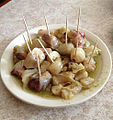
<point>38,64</point>
<point>27,30</point>
<point>27,44</point>
<point>92,53</point>
<point>78,20</point>
<point>77,30</point>
<point>66,29</point>
<point>46,51</point>
<point>46,24</point>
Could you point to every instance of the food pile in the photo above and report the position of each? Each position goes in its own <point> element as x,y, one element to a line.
<point>64,70</point>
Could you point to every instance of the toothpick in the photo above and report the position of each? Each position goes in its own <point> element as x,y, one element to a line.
<point>27,44</point>
<point>66,30</point>
<point>78,29</point>
<point>78,20</point>
<point>46,24</point>
<point>38,63</point>
<point>45,51</point>
<point>27,30</point>
<point>92,53</point>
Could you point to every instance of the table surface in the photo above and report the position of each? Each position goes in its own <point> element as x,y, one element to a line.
<point>96,16</point>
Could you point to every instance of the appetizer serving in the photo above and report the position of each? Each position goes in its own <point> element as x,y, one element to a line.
<point>58,61</point>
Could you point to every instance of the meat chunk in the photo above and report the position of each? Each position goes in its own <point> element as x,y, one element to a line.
<point>74,36</point>
<point>41,32</point>
<point>37,84</point>
<point>19,52</point>
<point>18,69</point>
<point>50,40</point>
<point>26,74</point>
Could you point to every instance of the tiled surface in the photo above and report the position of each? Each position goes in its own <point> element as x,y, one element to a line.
<point>96,16</point>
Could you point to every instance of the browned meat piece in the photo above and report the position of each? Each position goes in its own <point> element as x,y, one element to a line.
<point>37,84</point>
<point>15,59</point>
<point>74,36</point>
<point>18,69</point>
<point>50,40</point>
<point>19,52</point>
<point>41,32</point>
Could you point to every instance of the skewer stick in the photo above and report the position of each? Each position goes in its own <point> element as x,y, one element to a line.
<point>78,20</point>
<point>78,29</point>
<point>38,63</point>
<point>66,30</point>
<point>27,44</point>
<point>92,53</point>
<point>46,24</point>
<point>45,51</point>
<point>27,30</point>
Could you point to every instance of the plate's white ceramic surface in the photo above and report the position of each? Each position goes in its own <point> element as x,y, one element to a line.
<point>102,76</point>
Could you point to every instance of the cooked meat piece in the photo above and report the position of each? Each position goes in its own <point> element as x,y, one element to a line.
<point>18,69</point>
<point>50,40</point>
<point>36,44</point>
<point>74,36</point>
<point>19,52</point>
<point>15,59</point>
<point>33,83</point>
<point>26,74</point>
<point>45,79</point>
<point>37,84</point>
<point>41,32</point>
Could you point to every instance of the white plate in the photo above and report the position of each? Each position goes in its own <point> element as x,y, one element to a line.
<point>105,66</point>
